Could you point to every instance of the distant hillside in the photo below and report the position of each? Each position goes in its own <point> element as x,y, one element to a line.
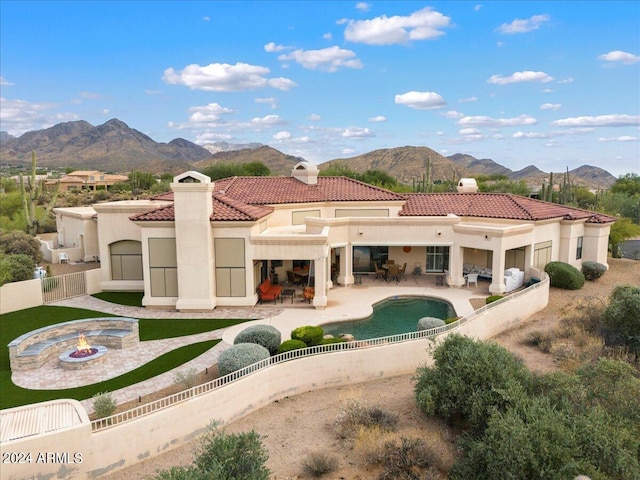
<point>5,136</point>
<point>110,147</point>
<point>277,162</point>
<point>484,166</point>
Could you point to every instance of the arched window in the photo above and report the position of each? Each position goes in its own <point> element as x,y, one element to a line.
<point>126,260</point>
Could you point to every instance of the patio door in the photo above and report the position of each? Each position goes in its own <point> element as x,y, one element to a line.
<point>437,259</point>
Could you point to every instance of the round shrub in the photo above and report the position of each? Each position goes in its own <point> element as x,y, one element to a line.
<point>311,335</point>
<point>593,270</point>
<point>427,323</point>
<point>563,275</point>
<point>493,298</point>
<point>266,335</point>
<point>239,356</point>
<point>289,345</point>
<point>329,341</point>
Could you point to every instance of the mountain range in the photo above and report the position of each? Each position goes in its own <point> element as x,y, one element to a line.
<point>115,147</point>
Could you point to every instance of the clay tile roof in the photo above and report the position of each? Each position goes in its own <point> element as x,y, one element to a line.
<point>494,205</point>
<point>162,214</point>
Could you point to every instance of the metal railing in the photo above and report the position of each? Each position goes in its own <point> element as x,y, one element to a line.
<point>63,286</point>
<point>103,423</point>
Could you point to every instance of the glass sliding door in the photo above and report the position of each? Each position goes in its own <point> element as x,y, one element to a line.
<point>437,259</point>
<point>365,257</point>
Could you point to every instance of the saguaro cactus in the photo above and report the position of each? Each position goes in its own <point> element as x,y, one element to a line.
<point>31,193</point>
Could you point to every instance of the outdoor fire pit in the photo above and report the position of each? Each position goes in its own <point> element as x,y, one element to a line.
<point>83,356</point>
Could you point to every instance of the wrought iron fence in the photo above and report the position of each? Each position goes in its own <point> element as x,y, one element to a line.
<point>63,286</point>
<point>102,423</point>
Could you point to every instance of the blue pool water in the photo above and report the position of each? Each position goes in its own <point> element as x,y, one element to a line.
<point>391,317</point>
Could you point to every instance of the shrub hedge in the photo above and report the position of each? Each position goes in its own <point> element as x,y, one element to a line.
<point>493,298</point>
<point>563,275</point>
<point>239,356</point>
<point>593,270</point>
<point>311,335</point>
<point>289,345</point>
<point>266,335</point>
<point>427,323</point>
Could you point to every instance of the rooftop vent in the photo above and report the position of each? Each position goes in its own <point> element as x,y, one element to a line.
<point>306,172</point>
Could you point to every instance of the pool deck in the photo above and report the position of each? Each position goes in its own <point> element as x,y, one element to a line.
<point>344,303</point>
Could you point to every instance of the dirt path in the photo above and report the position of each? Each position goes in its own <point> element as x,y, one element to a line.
<point>295,426</point>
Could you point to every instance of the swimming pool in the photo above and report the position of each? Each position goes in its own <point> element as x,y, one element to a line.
<point>392,316</point>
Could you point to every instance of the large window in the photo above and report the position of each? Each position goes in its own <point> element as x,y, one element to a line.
<point>230,267</point>
<point>163,267</point>
<point>126,260</point>
<point>542,254</point>
<point>437,259</point>
<point>365,257</point>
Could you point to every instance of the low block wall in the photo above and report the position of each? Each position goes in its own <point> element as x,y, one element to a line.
<point>20,295</point>
<point>123,445</point>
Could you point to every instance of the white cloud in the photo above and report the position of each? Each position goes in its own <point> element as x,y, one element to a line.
<point>468,131</point>
<point>519,77</point>
<point>615,120</point>
<point>327,59</point>
<point>314,117</point>
<point>357,132</point>
<point>620,56</point>
<point>272,47</point>
<point>468,100</point>
<point>208,114</point>
<point>624,138</point>
<point>203,138</point>
<point>453,114</point>
<point>524,25</point>
<point>267,120</point>
<point>529,135</point>
<point>421,25</point>
<point>566,80</point>
<point>272,101</point>
<point>363,7</point>
<point>421,100</point>
<point>5,83</point>
<point>283,135</point>
<point>106,111</point>
<point>223,77</point>
<point>483,121</point>
<point>327,36</point>
<point>206,18</point>
<point>19,116</point>
<point>477,8</point>
<point>378,118</point>
<point>551,106</point>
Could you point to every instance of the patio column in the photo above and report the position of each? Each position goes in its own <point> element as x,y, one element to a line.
<point>320,271</point>
<point>497,268</point>
<point>346,266</point>
<point>456,260</point>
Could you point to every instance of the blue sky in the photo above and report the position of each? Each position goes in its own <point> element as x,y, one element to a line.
<point>554,84</point>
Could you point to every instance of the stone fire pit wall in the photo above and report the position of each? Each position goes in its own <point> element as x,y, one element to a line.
<point>35,348</point>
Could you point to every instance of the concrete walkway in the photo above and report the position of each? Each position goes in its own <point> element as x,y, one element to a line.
<point>343,304</point>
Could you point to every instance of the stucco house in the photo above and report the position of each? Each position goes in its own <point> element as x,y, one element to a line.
<point>208,244</point>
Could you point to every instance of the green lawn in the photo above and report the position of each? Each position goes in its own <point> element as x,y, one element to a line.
<point>131,299</point>
<point>14,324</point>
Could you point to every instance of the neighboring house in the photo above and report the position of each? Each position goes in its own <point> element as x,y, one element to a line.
<point>87,180</point>
<point>208,244</point>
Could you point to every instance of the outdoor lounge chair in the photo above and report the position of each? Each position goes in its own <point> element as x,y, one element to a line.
<point>63,257</point>
<point>309,293</point>
<point>472,278</point>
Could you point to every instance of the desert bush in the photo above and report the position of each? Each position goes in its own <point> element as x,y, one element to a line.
<point>470,380</point>
<point>593,270</point>
<point>493,298</point>
<point>356,413</point>
<point>239,356</point>
<point>563,275</point>
<point>329,341</point>
<point>542,340</point>
<point>20,243</point>
<point>621,323</point>
<point>311,335</point>
<point>104,405</point>
<point>406,458</point>
<point>289,345</point>
<point>451,320</point>
<point>427,323</point>
<point>186,378</point>
<point>15,268</point>
<point>318,464</point>
<point>266,335</point>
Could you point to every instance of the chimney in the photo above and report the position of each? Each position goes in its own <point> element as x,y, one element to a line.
<point>306,172</point>
<point>467,185</point>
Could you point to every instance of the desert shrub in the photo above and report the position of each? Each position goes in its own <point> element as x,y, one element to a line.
<point>493,298</point>
<point>232,456</point>
<point>593,270</point>
<point>356,413</point>
<point>329,341</point>
<point>266,335</point>
<point>427,323</point>
<point>470,380</point>
<point>16,242</point>
<point>239,356</point>
<point>563,275</point>
<point>15,268</point>
<point>451,320</point>
<point>542,340</point>
<point>289,345</point>
<point>405,458</point>
<point>311,335</point>
<point>621,323</point>
<point>186,378</point>
<point>104,405</point>
<point>318,464</point>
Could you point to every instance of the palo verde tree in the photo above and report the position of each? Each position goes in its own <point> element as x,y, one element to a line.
<point>32,193</point>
